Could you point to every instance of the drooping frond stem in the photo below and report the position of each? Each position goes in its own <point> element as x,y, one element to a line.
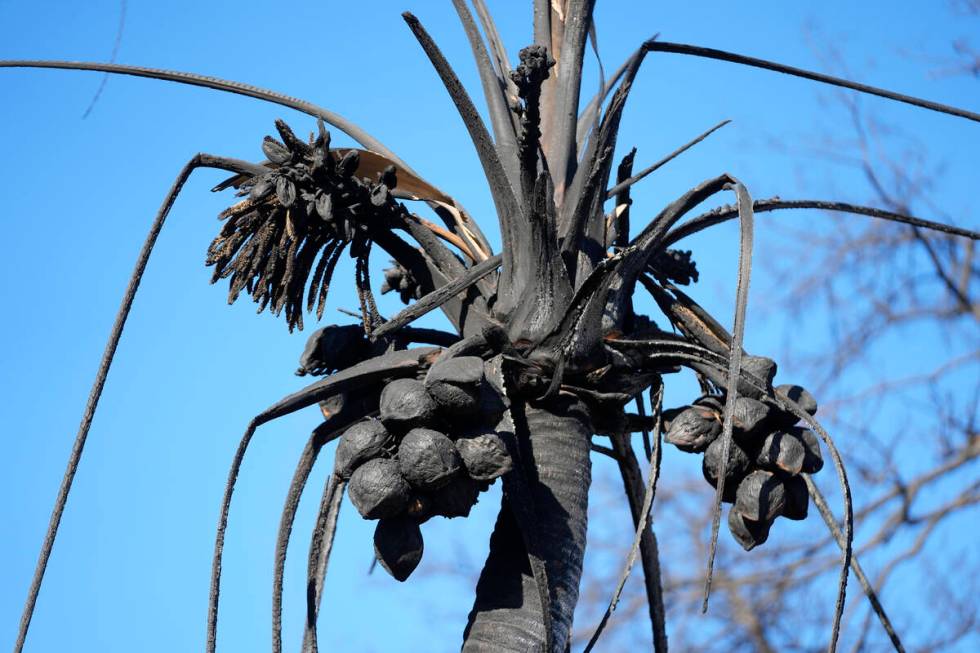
<point>328,431</point>
<point>734,365</point>
<point>724,213</point>
<point>828,517</point>
<point>321,546</point>
<point>219,537</point>
<point>198,161</point>
<point>218,84</point>
<point>297,485</point>
<point>848,549</point>
<point>711,53</point>
<point>644,540</point>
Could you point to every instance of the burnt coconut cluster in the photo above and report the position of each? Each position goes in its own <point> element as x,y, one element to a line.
<point>768,453</point>
<point>431,452</point>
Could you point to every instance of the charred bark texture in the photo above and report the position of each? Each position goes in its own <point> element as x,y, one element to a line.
<point>554,442</point>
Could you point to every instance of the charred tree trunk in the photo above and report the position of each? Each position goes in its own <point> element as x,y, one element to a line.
<point>554,443</point>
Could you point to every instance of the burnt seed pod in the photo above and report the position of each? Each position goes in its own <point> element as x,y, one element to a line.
<point>749,534</point>
<point>405,404</point>
<point>333,348</point>
<point>761,367</point>
<point>456,384</point>
<point>360,443</point>
<point>694,429</point>
<point>457,498</point>
<point>739,465</point>
<point>378,490</point>
<point>484,456</point>
<point>813,461</point>
<point>398,546</point>
<point>748,414</point>
<point>782,451</point>
<point>674,265</point>
<point>797,498</point>
<point>799,395</point>
<point>427,459</point>
<point>761,496</point>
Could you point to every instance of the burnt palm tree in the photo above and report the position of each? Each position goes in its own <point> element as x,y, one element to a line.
<point>546,351</point>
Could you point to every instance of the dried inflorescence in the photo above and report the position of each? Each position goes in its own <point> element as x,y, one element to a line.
<point>296,221</point>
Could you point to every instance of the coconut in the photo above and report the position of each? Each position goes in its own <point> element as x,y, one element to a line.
<point>455,384</point>
<point>782,451</point>
<point>360,443</point>
<point>738,466</point>
<point>398,546</point>
<point>405,405</point>
<point>694,429</point>
<point>748,533</point>
<point>485,456</point>
<point>427,459</point>
<point>378,490</point>
<point>457,498</point>
<point>760,496</point>
<point>797,498</point>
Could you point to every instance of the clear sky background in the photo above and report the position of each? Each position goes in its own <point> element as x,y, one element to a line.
<point>131,566</point>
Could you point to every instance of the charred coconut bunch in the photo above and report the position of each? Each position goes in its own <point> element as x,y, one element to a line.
<point>545,351</point>
<point>430,453</point>
<point>766,456</point>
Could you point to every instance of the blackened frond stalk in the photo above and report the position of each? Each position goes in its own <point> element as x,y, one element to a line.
<point>622,184</point>
<point>711,53</point>
<point>587,118</point>
<point>95,394</point>
<point>214,83</point>
<point>505,200</point>
<point>734,362</point>
<point>499,51</point>
<point>578,227</point>
<point>724,213</point>
<point>618,232</point>
<point>494,89</point>
<point>560,134</point>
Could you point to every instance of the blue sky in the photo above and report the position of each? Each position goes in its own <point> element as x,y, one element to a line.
<point>130,569</point>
